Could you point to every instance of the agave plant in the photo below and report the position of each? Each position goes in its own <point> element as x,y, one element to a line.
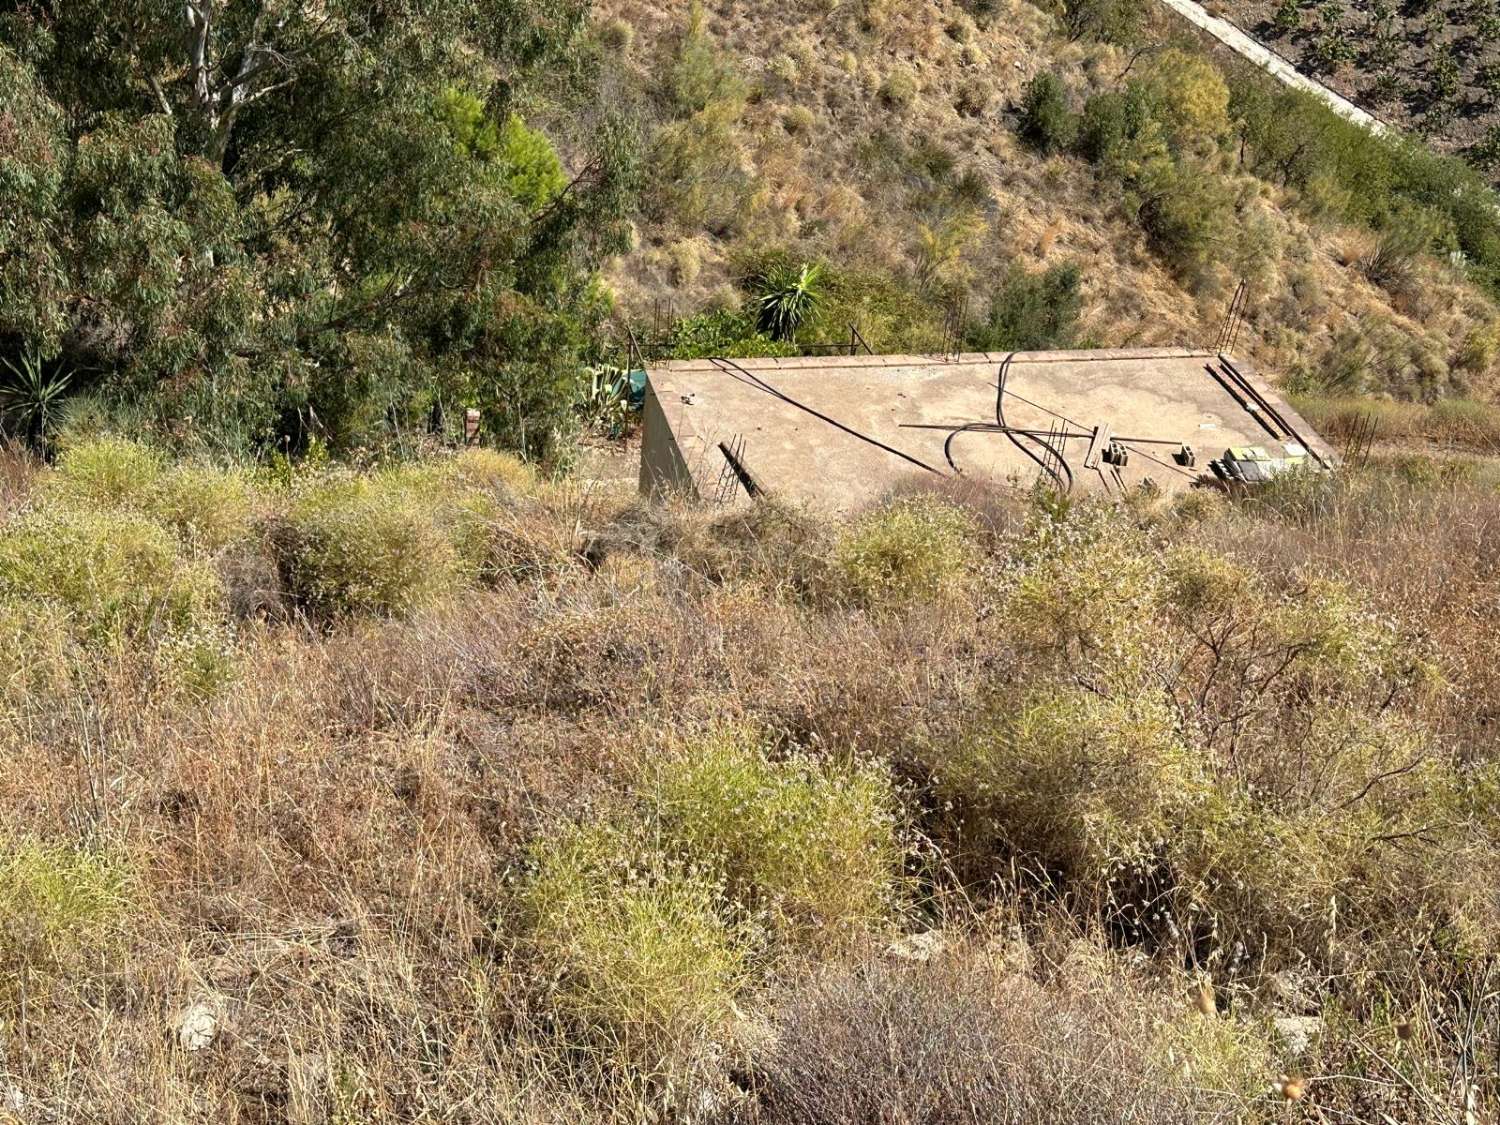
<point>30,397</point>
<point>606,402</point>
<point>786,298</point>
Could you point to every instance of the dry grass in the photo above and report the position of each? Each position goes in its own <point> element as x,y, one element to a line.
<point>347,850</point>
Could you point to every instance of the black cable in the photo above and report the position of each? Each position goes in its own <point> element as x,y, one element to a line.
<point>1065,486</point>
<point>760,384</point>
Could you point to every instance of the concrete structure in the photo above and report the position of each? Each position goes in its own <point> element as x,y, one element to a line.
<point>840,431</point>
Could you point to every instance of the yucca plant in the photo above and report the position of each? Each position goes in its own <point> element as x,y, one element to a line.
<point>30,397</point>
<point>786,298</point>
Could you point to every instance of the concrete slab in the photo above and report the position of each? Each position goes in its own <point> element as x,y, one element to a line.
<point>841,431</point>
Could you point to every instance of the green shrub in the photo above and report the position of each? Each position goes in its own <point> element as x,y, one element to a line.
<point>726,332</point>
<point>367,544</point>
<point>911,550</point>
<point>208,508</point>
<point>1081,588</point>
<point>701,75</point>
<point>1085,783</point>
<point>108,472</point>
<point>812,844</point>
<point>641,963</point>
<point>116,574</point>
<point>199,662</point>
<point>1187,213</point>
<point>56,903</point>
<point>1114,21</point>
<point>1032,311</point>
<point>786,298</point>
<point>1114,125</point>
<point>1046,121</point>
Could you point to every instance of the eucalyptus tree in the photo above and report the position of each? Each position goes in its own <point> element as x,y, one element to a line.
<point>278,218</point>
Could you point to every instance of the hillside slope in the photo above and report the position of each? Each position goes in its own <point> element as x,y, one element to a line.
<point>882,139</point>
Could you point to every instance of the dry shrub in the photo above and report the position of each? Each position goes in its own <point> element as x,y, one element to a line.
<point>972,1038</point>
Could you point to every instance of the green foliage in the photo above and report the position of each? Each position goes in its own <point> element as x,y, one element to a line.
<point>108,472</point>
<point>353,544</point>
<point>1032,311</point>
<point>31,398</point>
<point>208,508</point>
<point>311,248</point>
<point>643,966</point>
<point>118,575</point>
<point>889,314</point>
<point>1046,121</point>
<point>1119,131</point>
<point>1190,98</point>
<point>787,297</point>
<point>729,333</point>
<point>1082,782</point>
<point>1186,216</point>
<point>1113,21</point>
<point>910,550</point>
<point>1380,182</point>
<point>528,164</point>
<point>56,903</point>
<point>811,844</point>
<point>701,75</point>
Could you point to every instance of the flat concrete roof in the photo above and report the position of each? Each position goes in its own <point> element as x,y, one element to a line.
<point>840,431</point>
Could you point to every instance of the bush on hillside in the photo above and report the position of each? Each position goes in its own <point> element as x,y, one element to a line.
<point>911,550</point>
<point>1046,121</point>
<point>642,965</point>
<point>117,575</point>
<point>811,844</point>
<point>57,904</point>
<point>1032,311</point>
<point>208,508</point>
<point>109,472</point>
<point>366,545</point>
<point>728,333</point>
<point>1113,21</point>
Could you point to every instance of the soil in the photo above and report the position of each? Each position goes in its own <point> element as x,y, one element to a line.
<point>1418,45</point>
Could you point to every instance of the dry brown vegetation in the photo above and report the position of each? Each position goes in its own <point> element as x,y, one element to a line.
<point>973,809</point>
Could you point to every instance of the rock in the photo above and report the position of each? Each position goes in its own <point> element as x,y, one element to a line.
<point>917,947</point>
<point>1298,1032</point>
<point>1291,994</point>
<point>198,1026</point>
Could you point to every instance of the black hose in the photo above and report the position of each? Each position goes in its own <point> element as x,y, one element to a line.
<point>1063,479</point>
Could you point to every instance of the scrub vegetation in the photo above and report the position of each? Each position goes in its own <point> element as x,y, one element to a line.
<point>474,793</point>
<point>354,770</point>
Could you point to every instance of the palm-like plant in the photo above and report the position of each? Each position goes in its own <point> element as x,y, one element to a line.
<point>786,298</point>
<point>30,397</point>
